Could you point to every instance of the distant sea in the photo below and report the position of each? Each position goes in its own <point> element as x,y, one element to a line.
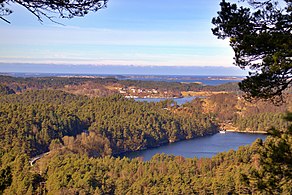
<point>122,69</point>
<point>205,80</point>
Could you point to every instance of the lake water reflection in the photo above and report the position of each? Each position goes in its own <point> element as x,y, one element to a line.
<point>207,146</point>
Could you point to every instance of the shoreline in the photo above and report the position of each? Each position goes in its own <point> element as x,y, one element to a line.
<point>202,93</point>
<point>252,132</point>
<point>184,94</point>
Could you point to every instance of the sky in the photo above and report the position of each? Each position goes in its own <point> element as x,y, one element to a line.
<point>127,32</point>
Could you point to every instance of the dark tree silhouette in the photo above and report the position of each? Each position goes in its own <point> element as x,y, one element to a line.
<point>261,39</point>
<point>52,8</point>
<point>260,36</point>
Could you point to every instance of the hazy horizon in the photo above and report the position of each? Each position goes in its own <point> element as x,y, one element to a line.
<point>121,69</point>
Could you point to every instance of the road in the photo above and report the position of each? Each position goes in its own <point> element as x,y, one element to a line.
<point>34,159</point>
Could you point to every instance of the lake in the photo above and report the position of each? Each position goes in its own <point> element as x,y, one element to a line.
<point>207,146</point>
<point>179,101</point>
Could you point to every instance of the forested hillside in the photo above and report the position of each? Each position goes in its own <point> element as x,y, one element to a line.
<point>38,121</point>
<point>31,120</point>
<point>63,172</point>
<point>73,173</point>
<point>104,86</point>
<point>233,111</point>
<point>81,134</point>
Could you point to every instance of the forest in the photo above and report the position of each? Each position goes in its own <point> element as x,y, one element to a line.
<point>234,112</point>
<point>81,135</point>
<point>34,118</point>
<point>103,86</point>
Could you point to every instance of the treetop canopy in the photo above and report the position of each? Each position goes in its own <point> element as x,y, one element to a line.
<point>50,9</point>
<point>260,36</point>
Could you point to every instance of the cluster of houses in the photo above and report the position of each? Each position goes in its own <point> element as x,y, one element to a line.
<point>134,92</point>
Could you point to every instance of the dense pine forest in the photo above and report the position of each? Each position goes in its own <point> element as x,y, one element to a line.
<point>232,111</point>
<point>79,135</point>
<point>34,119</point>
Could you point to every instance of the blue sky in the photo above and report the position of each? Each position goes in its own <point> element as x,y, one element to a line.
<point>127,32</point>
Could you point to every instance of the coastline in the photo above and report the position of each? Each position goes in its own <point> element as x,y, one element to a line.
<point>253,132</point>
